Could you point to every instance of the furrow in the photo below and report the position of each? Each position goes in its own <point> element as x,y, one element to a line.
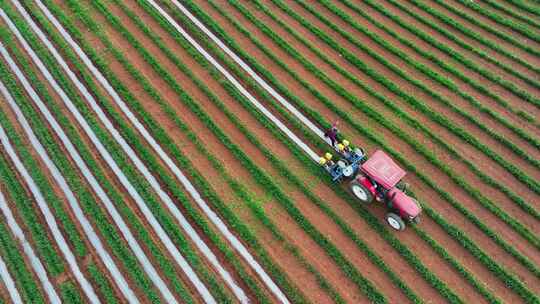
<point>149,268</point>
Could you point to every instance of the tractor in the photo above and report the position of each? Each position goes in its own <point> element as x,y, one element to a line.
<point>375,178</point>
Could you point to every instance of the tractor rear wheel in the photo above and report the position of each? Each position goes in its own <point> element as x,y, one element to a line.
<point>395,221</point>
<point>361,192</point>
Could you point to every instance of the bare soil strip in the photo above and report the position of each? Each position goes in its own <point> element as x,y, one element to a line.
<point>280,255</point>
<point>308,98</point>
<point>488,35</point>
<point>37,266</point>
<point>9,286</point>
<point>509,97</point>
<point>235,111</point>
<point>216,18</point>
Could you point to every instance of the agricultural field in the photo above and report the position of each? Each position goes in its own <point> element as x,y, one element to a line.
<point>167,151</point>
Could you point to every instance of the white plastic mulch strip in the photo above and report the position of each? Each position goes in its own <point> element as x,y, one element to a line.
<point>123,179</point>
<point>87,227</point>
<point>212,215</point>
<point>237,290</point>
<point>49,216</point>
<point>250,71</point>
<point>147,265</point>
<point>7,279</point>
<point>36,264</point>
<point>235,82</point>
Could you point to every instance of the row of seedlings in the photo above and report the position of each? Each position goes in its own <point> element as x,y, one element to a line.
<point>456,233</point>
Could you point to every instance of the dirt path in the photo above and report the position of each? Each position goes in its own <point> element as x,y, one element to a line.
<point>229,30</point>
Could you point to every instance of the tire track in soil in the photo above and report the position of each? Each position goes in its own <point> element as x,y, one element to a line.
<point>285,158</point>
<point>212,143</point>
<point>486,34</point>
<point>308,98</point>
<point>482,241</point>
<point>499,175</point>
<point>499,90</point>
<point>413,90</point>
<point>115,182</point>
<point>444,133</point>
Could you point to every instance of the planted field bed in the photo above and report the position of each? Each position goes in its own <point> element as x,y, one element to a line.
<point>168,151</point>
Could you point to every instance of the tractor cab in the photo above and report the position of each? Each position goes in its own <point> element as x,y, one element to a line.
<point>379,178</point>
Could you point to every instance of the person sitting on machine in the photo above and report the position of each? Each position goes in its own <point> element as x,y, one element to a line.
<point>326,161</point>
<point>345,149</point>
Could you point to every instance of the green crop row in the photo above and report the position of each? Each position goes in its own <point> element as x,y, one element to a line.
<point>171,183</point>
<point>102,283</point>
<point>332,251</point>
<point>471,34</point>
<point>513,13</point>
<point>437,117</point>
<point>466,31</point>
<point>435,76</point>
<point>239,189</point>
<point>522,5</point>
<point>140,184</point>
<point>524,30</point>
<point>376,139</point>
<point>431,73</point>
<point>509,38</point>
<point>281,168</point>
<point>69,293</point>
<point>456,233</point>
<point>457,56</point>
<point>11,254</point>
<point>517,199</point>
<point>357,103</point>
<point>371,113</point>
<point>18,96</point>
<point>233,220</point>
<point>88,203</point>
<point>236,186</point>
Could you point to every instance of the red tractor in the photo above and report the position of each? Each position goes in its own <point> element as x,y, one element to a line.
<point>377,178</point>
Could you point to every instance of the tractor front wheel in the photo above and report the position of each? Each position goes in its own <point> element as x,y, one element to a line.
<point>361,192</point>
<point>395,221</point>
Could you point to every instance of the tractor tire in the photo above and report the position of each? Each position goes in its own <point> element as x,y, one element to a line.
<point>361,193</point>
<point>395,221</point>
